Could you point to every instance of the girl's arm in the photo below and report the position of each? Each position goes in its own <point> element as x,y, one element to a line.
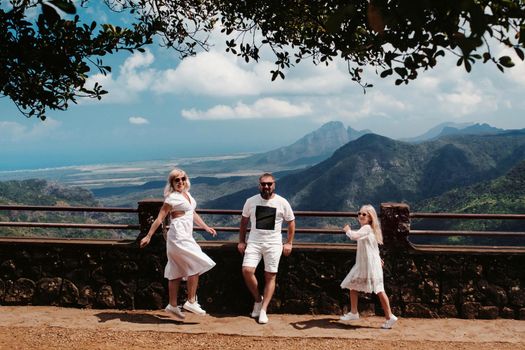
<point>164,210</point>
<point>198,220</point>
<point>359,234</point>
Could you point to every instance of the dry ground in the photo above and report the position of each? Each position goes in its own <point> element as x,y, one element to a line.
<point>62,328</point>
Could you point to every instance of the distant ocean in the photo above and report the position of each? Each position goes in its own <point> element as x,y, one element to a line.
<point>113,174</point>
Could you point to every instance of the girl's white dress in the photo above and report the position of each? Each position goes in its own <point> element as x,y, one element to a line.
<point>185,256</point>
<point>367,274</point>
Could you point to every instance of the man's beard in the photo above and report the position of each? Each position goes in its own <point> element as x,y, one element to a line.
<point>266,194</point>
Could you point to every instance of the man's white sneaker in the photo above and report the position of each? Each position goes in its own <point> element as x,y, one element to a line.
<point>257,308</point>
<point>175,310</point>
<point>263,319</point>
<point>193,307</point>
<point>389,323</point>
<point>349,317</point>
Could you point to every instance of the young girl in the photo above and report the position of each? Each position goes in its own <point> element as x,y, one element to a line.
<point>367,273</point>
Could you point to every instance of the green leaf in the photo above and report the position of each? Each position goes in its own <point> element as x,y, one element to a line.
<point>468,66</point>
<point>506,61</point>
<point>65,5</point>
<point>519,52</point>
<point>50,14</point>
<point>386,73</point>
<point>401,71</point>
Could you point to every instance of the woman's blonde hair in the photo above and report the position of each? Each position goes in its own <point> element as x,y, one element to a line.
<point>169,188</point>
<point>374,221</point>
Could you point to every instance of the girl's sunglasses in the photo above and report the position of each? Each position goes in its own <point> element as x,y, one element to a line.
<point>179,179</point>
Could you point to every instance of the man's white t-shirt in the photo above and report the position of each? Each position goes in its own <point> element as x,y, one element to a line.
<point>266,217</point>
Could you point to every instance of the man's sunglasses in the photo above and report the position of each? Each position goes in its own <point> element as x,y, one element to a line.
<point>269,184</point>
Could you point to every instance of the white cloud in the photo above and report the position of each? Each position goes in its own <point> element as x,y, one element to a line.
<point>263,108</point>
<point>19,133</point>
<point>208,73</point>
<point>138,120</point>
<point>467,98</point>
<point>216,74</point>
<point>134,77</point>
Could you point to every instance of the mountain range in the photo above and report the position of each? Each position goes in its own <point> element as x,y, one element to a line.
<point>375,169</point>
<point>307,151</point>
<point>474,168</point>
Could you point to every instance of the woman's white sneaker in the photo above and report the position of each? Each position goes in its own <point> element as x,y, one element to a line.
<point>349,317</point>
<point>175,310</point>
<point>193,307</point>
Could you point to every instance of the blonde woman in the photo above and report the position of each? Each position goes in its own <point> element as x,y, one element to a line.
<point>367,273</point>
<point>186,260</point>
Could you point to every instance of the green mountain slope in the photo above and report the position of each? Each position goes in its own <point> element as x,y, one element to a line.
<point>375,169</point>
<point>503,195</point>
<point>41,192</point>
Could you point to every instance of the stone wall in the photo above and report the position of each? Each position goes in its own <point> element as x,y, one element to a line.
<point>123,276</point>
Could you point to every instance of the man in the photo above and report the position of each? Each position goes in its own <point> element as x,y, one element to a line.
<point>266,212</point>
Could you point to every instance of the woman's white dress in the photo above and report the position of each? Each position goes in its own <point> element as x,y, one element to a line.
<point>185,256</point>
<point>367,274</point>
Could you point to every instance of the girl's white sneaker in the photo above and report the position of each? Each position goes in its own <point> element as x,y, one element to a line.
<point>389,323</point>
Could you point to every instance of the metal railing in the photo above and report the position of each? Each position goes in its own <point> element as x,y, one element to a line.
<point>467,217</point>
<point>301,230</point>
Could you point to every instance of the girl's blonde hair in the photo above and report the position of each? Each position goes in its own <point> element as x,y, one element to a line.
<point>374,221</point>
<point>170,188</point>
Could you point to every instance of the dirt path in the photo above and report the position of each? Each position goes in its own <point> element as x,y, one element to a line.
<point>64,328</point>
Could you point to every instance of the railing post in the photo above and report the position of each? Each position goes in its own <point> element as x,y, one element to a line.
<point>395,224</point>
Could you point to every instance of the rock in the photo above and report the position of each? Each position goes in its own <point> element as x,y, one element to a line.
<point>86,297</point>
<point>151,297</point>
<point>419,310</point>
<point>98,275</point>
<point>298,306</point>
<point>124,294</point>
<point>105,297</point>
<point>327,305</point>
<point>488,312</point>
<point>449,296</point>
<point>517,297</point>
<point>69,295</point>
<point>408,295</point>
<point>508,313</point>
<point>448,310</point>
<point>470,309</point>
<point>48,291</point>
<point>20,292</point>
<point>430,291</point>
<point>8,270</point>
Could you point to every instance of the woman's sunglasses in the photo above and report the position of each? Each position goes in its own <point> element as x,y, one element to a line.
<point>362,214</point>
<point>179,179</point>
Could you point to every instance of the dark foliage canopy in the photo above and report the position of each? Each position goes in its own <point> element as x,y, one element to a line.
<point>45,62</point>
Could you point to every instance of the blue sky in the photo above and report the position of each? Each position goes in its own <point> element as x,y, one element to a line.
<point>214,104</point>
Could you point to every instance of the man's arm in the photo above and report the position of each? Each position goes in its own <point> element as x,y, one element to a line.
<point>241,246</point>
<point>287,247</point>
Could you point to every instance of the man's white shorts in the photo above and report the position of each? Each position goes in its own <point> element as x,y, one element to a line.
<point>270,252</point>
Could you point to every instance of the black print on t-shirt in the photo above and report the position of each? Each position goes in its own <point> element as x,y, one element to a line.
<point>265,217</point>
